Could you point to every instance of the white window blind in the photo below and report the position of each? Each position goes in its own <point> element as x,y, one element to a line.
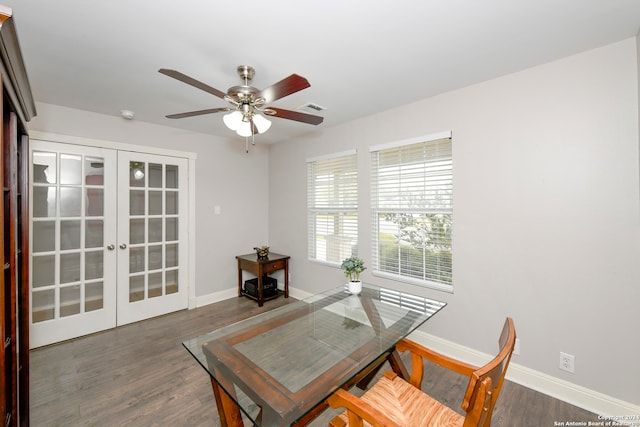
<point>412,200</point>
<point>332,201</point>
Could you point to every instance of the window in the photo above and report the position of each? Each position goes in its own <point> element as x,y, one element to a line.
<point>332,195</point>
<point>412,192</point>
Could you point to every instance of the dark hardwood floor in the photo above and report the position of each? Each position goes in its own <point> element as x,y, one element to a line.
<point>140,375</point>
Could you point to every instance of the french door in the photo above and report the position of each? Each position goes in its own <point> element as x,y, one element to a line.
<point>108,240</point>
<point>152,236</point>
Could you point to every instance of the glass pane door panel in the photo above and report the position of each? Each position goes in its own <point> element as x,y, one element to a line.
<point>136,203</point>
<point>94,233</point>
<point>171,257</point>
<point>95,198</point>
<point>136,260</point>
<point>137,174</point>
<point>44,236</point>
<point>69,300</point>
<point>172,203</point>
<point>136,288</point>
<point>93,265</point>
<point>155,257</point>
<point>43,305</point>
<point>155,175</point>
<point>70,234</point>
<point>155,202</point>
<point>44,201</point>
<point>155,285</point>
<point>70,169</point>
<point>155,230</point>
<point>70,267</point>
<point>136,231</point>
<point>171,281</point>
<point>70,201</point>
<point>43,270</point>
<point>94,170</point>
<point>171,176</point>
<point>171,229</point>
<point>93,299</point>
<point>44,167</point>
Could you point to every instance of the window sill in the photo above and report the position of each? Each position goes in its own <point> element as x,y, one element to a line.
<point>327,263</point>
<point>416,282</point>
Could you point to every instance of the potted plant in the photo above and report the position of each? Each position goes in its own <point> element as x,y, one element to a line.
<point>352,267</point>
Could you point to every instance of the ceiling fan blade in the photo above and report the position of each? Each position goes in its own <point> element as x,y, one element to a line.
<point>197,113</point>
<point>284,87</point>
<point>191,81</point>
<point>294,115</point>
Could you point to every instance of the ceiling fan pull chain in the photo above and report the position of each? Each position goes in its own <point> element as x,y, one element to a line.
<point>246,145</point>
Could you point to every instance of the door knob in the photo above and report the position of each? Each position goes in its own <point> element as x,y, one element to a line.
<point>111,247</point>
<point>123,246</point>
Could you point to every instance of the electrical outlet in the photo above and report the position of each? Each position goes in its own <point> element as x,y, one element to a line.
<point>567,362</point>
<point>516,347</point>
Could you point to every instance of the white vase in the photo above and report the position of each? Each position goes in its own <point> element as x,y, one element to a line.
<point>354,288</point>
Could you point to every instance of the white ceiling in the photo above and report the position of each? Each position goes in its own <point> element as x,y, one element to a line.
<point>360,56</point>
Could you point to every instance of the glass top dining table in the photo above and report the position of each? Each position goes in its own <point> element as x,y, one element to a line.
<point>279,367</point>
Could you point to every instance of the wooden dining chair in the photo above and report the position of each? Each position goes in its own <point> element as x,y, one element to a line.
<point>394,402</point>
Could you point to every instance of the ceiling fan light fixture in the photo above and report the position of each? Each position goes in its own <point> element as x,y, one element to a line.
<point>262,124</point>
<point>244,129</point>
<point>233,120</point>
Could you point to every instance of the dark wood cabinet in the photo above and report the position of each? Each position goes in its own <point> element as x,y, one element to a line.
<point>17,108</point>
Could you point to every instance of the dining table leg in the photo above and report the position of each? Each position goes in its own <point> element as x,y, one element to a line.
<point>397,365</point>
<point>227,409</point>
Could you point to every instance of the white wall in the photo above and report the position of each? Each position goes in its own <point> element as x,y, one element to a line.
<point>226,176</point>
<point>546,212</point>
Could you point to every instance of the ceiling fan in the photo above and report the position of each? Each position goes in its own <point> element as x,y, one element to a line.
<point>248,103</point>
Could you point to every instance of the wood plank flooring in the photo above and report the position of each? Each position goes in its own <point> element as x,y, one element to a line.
<point>140,375</point>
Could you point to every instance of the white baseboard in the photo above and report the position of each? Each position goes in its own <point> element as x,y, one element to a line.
<point>566,391</point>
<point>203,300</point>
<point>299,293</point>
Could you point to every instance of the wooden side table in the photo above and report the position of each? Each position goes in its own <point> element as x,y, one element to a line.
<point>261,266</point>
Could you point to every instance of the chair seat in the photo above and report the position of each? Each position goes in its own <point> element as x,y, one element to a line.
<point>407,405</point>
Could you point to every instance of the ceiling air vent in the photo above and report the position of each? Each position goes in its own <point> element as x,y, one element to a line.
<point>312,107</point>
